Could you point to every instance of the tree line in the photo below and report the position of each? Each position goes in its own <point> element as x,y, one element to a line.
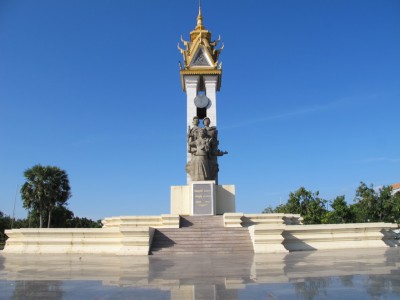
<point>45,194</point>
<point>369,205</point>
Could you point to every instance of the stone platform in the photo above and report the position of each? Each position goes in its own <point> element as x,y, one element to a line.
<point>268,233</point>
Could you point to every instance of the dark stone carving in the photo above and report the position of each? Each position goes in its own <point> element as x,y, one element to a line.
<point>202,199</point>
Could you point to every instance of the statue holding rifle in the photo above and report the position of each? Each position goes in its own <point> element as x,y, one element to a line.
<point>203,145</point>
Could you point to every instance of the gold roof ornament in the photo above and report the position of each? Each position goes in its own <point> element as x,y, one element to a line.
<point>200,52</point>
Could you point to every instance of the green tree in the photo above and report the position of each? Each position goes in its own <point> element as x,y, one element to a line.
<point>396,207</point>
<point>306,203</point>
<point>45,187</point>
<point>370,205</point>
<point>373,205</point>
<point>280,209</point>
<point>61,217</point>
<point>268,210</point>
<point>316,211</point>
<point>65,218</point>
<point>5,223</point>
<point>77,222</point>
<point>298,201</point>
<point>341,212</point>
<point>385,204</point>
<point>366,204</point>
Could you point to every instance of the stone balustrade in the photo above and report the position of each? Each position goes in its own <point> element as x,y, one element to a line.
<point>270,233</point>
<point>233,219</point>
<point>267,238</point>
<point>130,235</point>
<point>79,240</point>
<point>275,238</point>
<point>338,236</point>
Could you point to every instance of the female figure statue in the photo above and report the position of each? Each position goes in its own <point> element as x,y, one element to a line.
<point>198,167</point>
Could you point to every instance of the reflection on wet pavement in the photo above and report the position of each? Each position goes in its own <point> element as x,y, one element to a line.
<point>355,274</point>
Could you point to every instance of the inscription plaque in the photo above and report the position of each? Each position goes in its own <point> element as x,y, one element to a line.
<point>203,198</point>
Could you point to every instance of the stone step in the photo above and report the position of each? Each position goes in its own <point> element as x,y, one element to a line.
<point>191,238</point>
<point>202,250</point>
<point>171,250</point>
<point>180,240</point>
<point>197,242</point>
<point>200,245</point>
<point>204,245</point>
<point>201,221</point>
<point>194,230</point>
<point>177,239</point>
<point>197,252</point>
<point>209,248</point>
<point>201,234</point>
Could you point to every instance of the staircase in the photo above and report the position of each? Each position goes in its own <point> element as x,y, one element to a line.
<point>201,234</point>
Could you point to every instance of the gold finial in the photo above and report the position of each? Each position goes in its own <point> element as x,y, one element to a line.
<point>199,17</point>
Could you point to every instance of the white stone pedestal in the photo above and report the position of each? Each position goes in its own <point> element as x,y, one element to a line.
<point>182,199</point>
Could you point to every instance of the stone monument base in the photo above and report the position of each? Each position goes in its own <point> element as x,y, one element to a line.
<point>269,233</point>
<point>182,199</point>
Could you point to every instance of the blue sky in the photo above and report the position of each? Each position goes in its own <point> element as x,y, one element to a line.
<point>310,97</point>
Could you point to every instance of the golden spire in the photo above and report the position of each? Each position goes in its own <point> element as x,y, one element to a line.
<point>200,18</point>
<point>200,51</point>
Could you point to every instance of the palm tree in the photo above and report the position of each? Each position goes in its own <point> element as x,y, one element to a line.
<point>45,187</point>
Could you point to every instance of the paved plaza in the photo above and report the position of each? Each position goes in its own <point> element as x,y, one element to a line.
<point>341,274</point>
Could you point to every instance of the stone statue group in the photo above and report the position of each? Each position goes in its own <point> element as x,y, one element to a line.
<point>203,145</point>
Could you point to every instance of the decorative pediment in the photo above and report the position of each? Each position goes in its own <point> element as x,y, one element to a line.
<point>201,59</point>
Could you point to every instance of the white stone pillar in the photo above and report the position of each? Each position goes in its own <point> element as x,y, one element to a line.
<point>210,83</point>
<point>191,87</point>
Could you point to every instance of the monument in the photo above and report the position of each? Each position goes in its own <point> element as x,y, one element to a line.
<point>201,80</point>
<point>191,226</point>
